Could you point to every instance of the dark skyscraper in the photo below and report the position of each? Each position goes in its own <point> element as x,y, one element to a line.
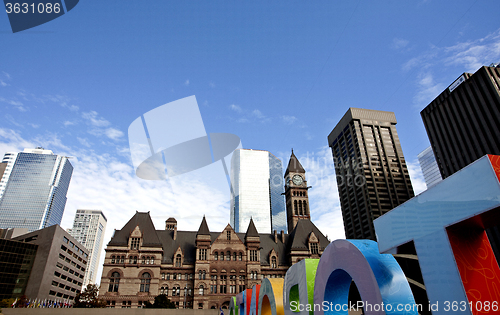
<point>463,122</point>
<point>372,176</point>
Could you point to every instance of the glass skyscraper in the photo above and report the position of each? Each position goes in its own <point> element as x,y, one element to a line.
<point>256,191</point>
<point>429,166</point>
<point>88,229</point>
<point>33,189</point>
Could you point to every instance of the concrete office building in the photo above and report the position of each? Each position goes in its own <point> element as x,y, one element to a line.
<point>88,229</point>
<point>257,188</point>
<point>429,167</point>
<point>59,267</point>
<point>372,176</point>
<point>463,124</point>
<point>33,189</point>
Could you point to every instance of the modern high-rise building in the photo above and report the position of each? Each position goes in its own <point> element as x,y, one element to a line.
<point>33,189</point>
<point>372,176</point>
<point>88,229</point>
<point>257,191</point>
<point>429,167</point>
<point>463,122</point>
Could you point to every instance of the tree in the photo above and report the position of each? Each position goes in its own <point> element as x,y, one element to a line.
<point>88,298</point>
<point>161,301</point>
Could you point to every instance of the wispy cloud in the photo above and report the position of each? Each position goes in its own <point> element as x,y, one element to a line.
<point>235,108</point>
<point>399,43</point>
<point>427,90</point>
<point>93,118</point>
<point>99,126</point>
<point>211,84</point>
<point>63,101</point>
<point>69,123</point>
<point>289,119</point>
<point>186,83</point>
<point>34,125</point>
<point>17,104</point>
<point>113,133</point>
<point>84,142</point>
<point>6,75</point>
<point>2,83</point>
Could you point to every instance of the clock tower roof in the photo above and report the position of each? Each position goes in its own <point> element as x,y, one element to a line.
<point>294,165</point>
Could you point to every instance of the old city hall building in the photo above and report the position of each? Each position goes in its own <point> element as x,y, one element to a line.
<point>203,269</point>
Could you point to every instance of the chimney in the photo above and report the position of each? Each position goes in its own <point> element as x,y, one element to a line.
<point>171,225</point>
<point>275,236</point>
<point>283,236</point>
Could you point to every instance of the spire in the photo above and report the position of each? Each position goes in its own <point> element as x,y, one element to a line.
<point>294,165</point>
<point>203,230</point>
<point>252,230</point>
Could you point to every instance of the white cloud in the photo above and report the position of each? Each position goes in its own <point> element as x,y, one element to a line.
<point>93,118</point>
<point>186,83</point>
<point>6,75</point>
<point>69,123</point>
<point>19,105</point>
<point>34,125</point>
<point>427,89</point>
<point>289,119</point>
<point>235,108</point>
<point>399,43</point>
<point>416,177</point>
<point>84,142</point>
<point>2,83</point>
<point>113,133</point>
<point>11,141</point>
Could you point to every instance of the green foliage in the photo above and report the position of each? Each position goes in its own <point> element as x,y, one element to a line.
<point>88,298</point>
<point>161,301</point>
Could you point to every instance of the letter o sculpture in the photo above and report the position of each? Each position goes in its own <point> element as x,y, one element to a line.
<point>378,277</point>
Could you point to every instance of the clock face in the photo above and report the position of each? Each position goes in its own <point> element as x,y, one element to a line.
<point>297,180</point>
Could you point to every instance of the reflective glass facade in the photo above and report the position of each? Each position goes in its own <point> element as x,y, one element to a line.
<point>88,229</point>
<point>34,195</point>
<point>429,167</point>
<point>257,185</point>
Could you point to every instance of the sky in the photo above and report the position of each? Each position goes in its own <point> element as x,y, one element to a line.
<point>279,75</point>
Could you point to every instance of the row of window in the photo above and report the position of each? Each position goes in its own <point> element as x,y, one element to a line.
<point>76,248</point>
<point>176,291</point>
<point>114,282</point>
<point>71,271</point>
<point>146,260</point>
<point>236,256</point>
<point>69,279</point>
<point>74,264</point>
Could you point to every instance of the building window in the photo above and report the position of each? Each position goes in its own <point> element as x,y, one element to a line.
<point>200,291</point>
<point>204,274</point>
<point>253,255</point>
<point>122,260</point>
<point>234,256</point>
<point>114,282</point>
<point>228,255</point>
<point>134,243</point>
<point>228,235</point>
<point>178,260</point>
<point>222,256</point>
<point>168,276</point>
<point>314,248</point>
<point>200,306</point>
<point>240,258</point>
<point>112,259</point>
<point>163,276</point>
<point>135,259</point>
<point>202,254</point>
<point>216,256</point>
<point>152,261</point>
<point>144,260</point>
<point>273,262</point>
<point>295,207</point>
<point>145,281</point>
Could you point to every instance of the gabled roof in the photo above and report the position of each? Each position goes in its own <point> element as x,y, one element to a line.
<point>143,221</point>
<point>294,165</point>
<point>203,230</point>
<point>252,230</point>
<point>299,236</point>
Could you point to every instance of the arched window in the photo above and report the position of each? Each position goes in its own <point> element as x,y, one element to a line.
<point>228,255</point>
<point>166,291</point>
<point>178,260</point>
<point>179,291</point>
<point>152,260</point>
<point>222,256</point>
<point>295,207</point>
<point>122,260</point>
<point>300,208</point>
<point>130,259</point>
<point>135,259</point>
<point>114,282</point>
<point>144,260</point>
<point>145,281</point>
<point>216,256</point>
<point>173,291</point>
<point>306,212</point>
<point>240,257</point>
<point>113,259</point>
<point>204,274</point>
<point>273,262</point>
<point>234,256</point>
<point>200,290</point>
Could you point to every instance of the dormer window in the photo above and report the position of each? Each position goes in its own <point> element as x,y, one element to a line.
<point>274,263</point>
<point>134,243</point>
<point>314,248</point>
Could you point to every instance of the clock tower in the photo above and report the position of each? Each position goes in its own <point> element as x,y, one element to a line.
<point>297,201</point>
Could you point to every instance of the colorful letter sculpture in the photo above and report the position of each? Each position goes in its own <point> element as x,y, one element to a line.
<point>380,281</point>
<point>446,224</point>
<point>245,302</point>
<point>254,303</point>
<point>233,305</point>
<point>271,297</point>
<point>299,286</point>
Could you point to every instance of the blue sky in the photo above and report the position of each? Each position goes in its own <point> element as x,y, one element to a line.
<point>280,75</point>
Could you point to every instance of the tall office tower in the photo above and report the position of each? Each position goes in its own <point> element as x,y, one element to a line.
<point>372,177</point>
<point>256,191</point>
<point>429,167</point>
<point>88,229</point>
<point>463,124</point>
<point>33,189</point>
